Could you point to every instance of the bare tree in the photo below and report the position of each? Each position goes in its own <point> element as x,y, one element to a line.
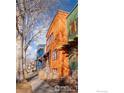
<point>28,12</point>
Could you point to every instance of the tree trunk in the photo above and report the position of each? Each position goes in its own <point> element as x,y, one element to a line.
<point>21,62</point>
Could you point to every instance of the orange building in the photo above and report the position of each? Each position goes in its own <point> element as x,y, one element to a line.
<point>56,37</point>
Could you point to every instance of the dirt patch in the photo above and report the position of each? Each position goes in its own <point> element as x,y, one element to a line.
<point>23,88</point>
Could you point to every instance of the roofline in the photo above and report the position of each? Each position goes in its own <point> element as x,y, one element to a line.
<point>59,10</point>
<point>72,10</point>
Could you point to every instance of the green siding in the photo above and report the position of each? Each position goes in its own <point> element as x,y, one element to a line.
<point>73,16</point>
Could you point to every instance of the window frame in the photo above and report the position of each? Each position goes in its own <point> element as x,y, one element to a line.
<point>54,55</point>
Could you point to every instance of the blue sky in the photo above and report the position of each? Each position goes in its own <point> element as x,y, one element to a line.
<point>66,5</point>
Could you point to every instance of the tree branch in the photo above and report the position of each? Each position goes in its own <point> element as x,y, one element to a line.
<point>27,45</point>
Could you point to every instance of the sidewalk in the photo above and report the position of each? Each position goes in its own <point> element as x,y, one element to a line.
<point>24,87</point>
<point>35,83</point>
<point>28,87</point>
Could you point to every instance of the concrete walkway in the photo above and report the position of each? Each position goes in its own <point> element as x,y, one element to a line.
<point>29,87</point>
<point>44,88</point>
<point>35,83</point>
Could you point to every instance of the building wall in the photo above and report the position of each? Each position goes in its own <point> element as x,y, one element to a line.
<point>40,53</point>
<point>72,28</point>
<point>56,37</point>
<point>72,23</point>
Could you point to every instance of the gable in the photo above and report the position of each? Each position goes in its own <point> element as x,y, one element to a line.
<point>59,18</point>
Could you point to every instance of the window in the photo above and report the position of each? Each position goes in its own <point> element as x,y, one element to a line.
<point>77,23</point>
<point>50,39</point>
<point>73,26</point>
<point>54,55</point>
<point>49,57</point>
